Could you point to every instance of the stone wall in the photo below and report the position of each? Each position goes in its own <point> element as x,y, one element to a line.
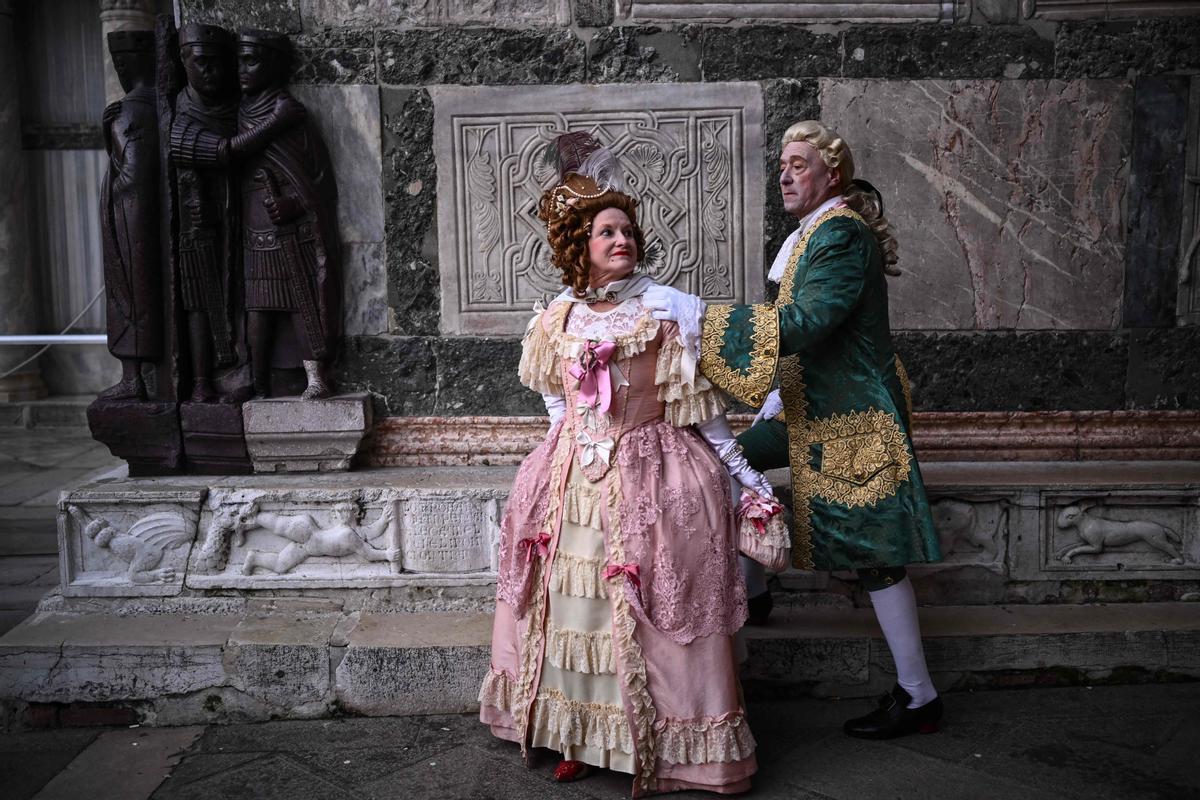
<point>1033,163</point>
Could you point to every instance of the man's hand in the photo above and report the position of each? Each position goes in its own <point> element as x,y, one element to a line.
<point>671,304</point>
<point>770,407</point>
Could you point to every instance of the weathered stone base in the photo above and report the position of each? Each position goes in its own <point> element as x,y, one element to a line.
<point>297,659</point>
<point>288,434</point>
<point>214,441</point>
<point>144,433</point>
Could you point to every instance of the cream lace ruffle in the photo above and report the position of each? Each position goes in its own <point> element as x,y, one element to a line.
<point>688,403</point>
<point>546,342</point>
<point>498,691</point>
<point>539,363</point>
<point>581,506</point>
<point>580,651</point>
<point>704,741</point>
<point>577,577</point>
<point>589,724</point>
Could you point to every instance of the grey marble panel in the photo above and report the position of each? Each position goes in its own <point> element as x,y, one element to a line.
<point>1006,196</point>
<point>690,155</point>
<point>364,289</point>
<point>348,119</point>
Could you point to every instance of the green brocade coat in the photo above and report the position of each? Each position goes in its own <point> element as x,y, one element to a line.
<point>859,499</point>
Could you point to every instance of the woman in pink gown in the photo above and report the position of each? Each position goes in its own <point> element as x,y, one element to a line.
<point>619,590</point>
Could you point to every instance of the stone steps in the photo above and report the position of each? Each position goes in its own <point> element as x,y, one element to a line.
<point>225,659</point>
<point>59,411</point>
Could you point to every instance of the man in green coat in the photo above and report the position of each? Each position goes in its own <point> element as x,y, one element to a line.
<point>841,414</point>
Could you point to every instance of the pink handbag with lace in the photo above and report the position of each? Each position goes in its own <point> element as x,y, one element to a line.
<point>762,533</point>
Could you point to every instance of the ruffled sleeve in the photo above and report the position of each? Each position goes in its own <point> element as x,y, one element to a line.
<point>539,368</point>
<point>690,398</point>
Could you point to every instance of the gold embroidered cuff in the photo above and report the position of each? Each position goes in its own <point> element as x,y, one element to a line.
<point>739,349</point>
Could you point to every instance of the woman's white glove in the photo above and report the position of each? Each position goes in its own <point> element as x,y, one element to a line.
<point>770,407</point>
<point>720,438</point>
<point>555,406</point>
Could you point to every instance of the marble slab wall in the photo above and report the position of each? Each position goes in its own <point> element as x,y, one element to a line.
<point>1008,196</point>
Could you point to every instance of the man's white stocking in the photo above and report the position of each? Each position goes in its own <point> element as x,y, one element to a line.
<point>896,610</point>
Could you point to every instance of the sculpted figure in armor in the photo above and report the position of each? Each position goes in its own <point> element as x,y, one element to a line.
<point>205,116</point>
<point>129,215</point>
<point>291,254</point>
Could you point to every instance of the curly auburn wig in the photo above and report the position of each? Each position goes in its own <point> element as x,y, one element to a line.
<point>570,231</point>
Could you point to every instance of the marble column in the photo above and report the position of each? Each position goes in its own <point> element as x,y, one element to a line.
<point>18,306</point>
<point>122,15</point>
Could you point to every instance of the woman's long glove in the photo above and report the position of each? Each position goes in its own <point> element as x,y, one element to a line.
<point>555,406</point>
<point>770,407</point>
<point>720,438</point>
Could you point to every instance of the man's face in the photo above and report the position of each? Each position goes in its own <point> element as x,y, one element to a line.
<point>255,68</point>
<point>133,68</point>
<point>804,180</point>
<point>208,68</point>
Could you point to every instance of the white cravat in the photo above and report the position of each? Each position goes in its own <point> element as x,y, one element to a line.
<point>779,265</point>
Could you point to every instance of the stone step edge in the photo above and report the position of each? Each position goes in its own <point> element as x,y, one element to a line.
<point>174,669</point>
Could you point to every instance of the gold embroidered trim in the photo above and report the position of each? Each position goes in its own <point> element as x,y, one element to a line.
<point>627,649</point>
<point>531,642</point>
<point>577,577</point>
<point>787,285</point>
<point>752,386</point>
<point>795,406</point>
<point>498,691</point>
<point>905,386</point>
<point>864,457</point>
<point>577,724</point>
<point>589,652</point>
<point>705,741</point>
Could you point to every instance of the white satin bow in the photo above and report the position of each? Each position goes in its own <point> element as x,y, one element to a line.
<point>593,449</point>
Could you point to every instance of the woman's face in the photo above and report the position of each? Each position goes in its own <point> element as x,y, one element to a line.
<point>612,249</point>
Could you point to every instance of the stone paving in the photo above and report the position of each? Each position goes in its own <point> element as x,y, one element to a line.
<point>1123,743</point>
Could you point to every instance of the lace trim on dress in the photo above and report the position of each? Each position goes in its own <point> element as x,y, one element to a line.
<point>581,651</point>
<point>628,345</point>
<point>688,403</point>
<point>704,741</point>
<point>581,506</point>
<point>498,691</point>
<point>633,661</point>
<point>577,577</point>
<point>539,360</point>
<point>588,724</point>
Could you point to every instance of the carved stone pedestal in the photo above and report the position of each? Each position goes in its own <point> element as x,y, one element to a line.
<point>287,434</point>
<point>144,433</point>
<point>214,441</point>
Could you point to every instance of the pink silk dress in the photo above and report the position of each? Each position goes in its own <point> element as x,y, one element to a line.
<point>618,591</point>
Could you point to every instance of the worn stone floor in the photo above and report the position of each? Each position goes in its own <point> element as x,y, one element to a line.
<point>1123,743</point>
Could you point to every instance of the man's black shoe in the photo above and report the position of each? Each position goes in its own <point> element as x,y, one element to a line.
<point>894,718</point>
<point>759,608</point>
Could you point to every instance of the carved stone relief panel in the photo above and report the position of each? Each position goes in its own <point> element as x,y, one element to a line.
<point>449,533</point>
<point>373,13</point>
<point>263,539</point>
<point>691,156</point>
<point>973,530</point>
<point>678,11</point>
<point>1120,535</point>
<point>126,544</point>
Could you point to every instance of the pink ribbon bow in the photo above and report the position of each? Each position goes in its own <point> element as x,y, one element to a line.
<point>631,570</point>
<point>758,510</point>
<point>539,543</point>
<point>595,384</point>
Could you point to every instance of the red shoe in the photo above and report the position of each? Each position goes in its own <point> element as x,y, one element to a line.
<point>568,771</point>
